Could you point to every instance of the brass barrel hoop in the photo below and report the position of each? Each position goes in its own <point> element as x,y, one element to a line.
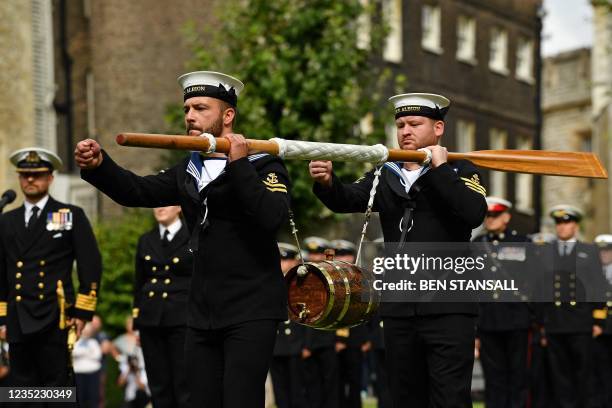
<point>331,292</point>
<point>347,298</point>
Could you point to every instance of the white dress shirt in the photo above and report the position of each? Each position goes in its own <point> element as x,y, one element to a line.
<point>172,229</point>
<point>28,207</point>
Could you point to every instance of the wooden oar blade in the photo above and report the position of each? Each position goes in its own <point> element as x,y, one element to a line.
<point>571,164</point>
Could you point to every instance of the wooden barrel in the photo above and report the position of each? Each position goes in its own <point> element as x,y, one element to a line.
<point>332,295</point>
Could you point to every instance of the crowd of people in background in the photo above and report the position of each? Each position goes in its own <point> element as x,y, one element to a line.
<point>313,368</point>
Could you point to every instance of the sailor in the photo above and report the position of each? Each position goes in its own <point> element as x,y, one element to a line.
<point>39,243</point>
<point>430,346</point>
<point>503,326</point>
<point>231,203</point>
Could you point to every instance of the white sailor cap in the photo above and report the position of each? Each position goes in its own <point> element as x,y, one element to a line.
<point>420,104</point>
<point>344,247</point>
<point>35,159</point>
<point>288,251</point>
<point>604,240</point>
<point>316,244</point>
<point>497,204</point>
<point>213,84</point>
<point>565,212</point>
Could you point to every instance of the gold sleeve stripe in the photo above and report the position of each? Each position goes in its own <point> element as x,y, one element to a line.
<point>477,190</point>
<point>86,302</point>
<point>273,184</point>
<point>2,309</point>
<point>135,312</point>
<point>474,185</point>
<point>600,314</point>
<point>282,190</point>
<point>471,181</point>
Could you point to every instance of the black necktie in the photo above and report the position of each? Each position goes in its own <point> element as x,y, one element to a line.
<point>564,249</point>
<point>33,217</point>
<point>165,240</point>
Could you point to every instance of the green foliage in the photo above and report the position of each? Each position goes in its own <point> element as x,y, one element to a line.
<point>305,77</point>
<point>117,240</point>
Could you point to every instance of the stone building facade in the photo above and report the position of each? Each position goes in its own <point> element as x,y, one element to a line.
<point>16,96</point>
<point>601,73</point>
<point>577,110</point>
<point>484,56</point>
<point>566,107</point>
<point>114,65</point>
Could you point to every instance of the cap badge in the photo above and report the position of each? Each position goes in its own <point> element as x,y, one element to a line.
<point>33,157</point>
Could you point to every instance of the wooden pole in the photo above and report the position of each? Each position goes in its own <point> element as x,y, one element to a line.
<point>572,164</point>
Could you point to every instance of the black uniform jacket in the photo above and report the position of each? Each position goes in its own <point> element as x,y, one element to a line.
<point>233,223</point>
<point>289,339</point>
<point>503,316</point>
<point>375,333</point>
<point>161,285</point>
<point>448,202</point>
<point>32,261</point>
<point>576,278</point>
<point>316,339</point>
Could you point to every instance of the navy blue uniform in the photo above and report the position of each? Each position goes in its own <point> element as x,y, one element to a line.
<point>161,288</point>
<point>237,292</point>
<point>503,332</point>
<point>569,320</point>
<point>429,345</point>
<point>287,367</point>
<point>32,260</point>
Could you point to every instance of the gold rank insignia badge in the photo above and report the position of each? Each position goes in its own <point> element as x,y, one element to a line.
<point>271,182</point>
<point>60,220</point>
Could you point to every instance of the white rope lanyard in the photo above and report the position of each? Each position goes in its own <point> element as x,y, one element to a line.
<point>368,212</point>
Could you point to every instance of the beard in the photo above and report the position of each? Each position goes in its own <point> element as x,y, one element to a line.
<point>34,194</point>
<point>214,129</point>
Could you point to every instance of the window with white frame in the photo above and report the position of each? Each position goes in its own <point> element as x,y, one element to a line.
<point>364,27</point>
<point>43,75</point>
<point>466,136</point>
<point>431,28</point>
<point>392,14</point>
<point>524,182</point>
<point>498,140</point>
<point>498,51</point>
<point>524,59</point>
<point>466,39</point>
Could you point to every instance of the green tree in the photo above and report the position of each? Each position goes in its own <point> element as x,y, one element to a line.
<point>117,240</point>
<point>305,76</point>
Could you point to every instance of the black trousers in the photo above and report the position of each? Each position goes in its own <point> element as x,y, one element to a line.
<point>539,377</point>
<point>350,367</point>
<point>381,382</point>
<point>163,349</point>
<point>503,356</point>
<point>322,378</point>
<point>288,381</point>
<point>430,360</point>
<point>569,365</point>
<point>601,389</point>
<point>227,367</point>
<point>88,389</point>
<point>41,359</point>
